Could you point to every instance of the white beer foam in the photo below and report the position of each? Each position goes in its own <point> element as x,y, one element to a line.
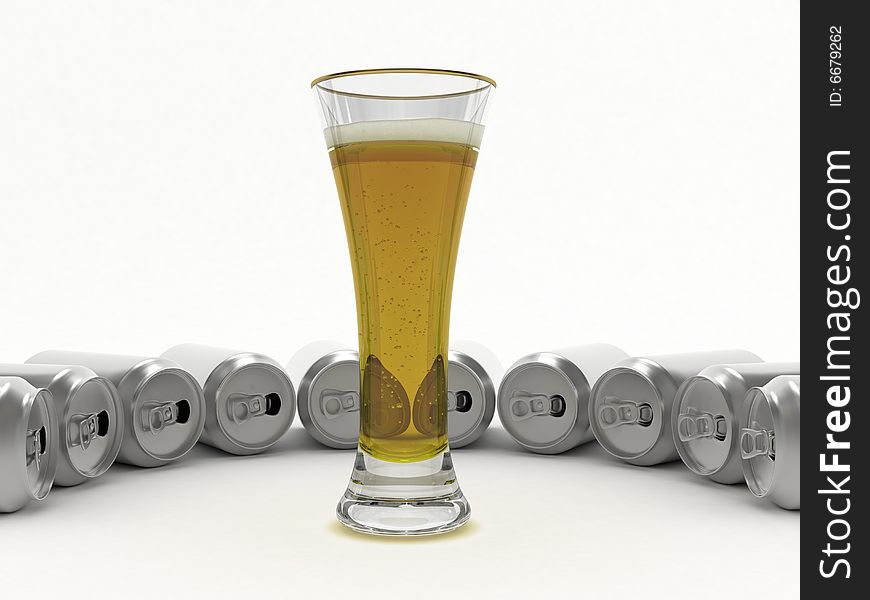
<point>412,130</point>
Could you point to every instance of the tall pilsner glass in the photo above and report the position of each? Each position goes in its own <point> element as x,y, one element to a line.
<point>403,144</point>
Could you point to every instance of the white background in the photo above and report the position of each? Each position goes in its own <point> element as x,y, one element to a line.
<point>163,179</point>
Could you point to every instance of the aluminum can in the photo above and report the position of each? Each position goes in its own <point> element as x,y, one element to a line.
<point>28,443</point>
<point>326,375</point>
<point>249,400</point>
<point>473,375</point>
<point>164,409</point>
<point>709,414</point>
<point>543,398</point>
<point>90,418</point>
<point>770,445</point>
<point>630,409</point>
<point>327,378</point>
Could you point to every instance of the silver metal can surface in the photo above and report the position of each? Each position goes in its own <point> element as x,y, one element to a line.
<point>631,404</point>
<point>543,398</point>
<point>708,416</point>
<point>327,376</point>
<point>164,409</point>
<point>473,374</point>
<point>90,418</point>
<point>250,402</point>
<point>28,443</point>
<point>770,444</point>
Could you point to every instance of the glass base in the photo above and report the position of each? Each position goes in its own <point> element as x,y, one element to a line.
<point>390,498</point>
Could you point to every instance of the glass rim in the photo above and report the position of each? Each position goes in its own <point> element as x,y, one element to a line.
<point>399,71</point>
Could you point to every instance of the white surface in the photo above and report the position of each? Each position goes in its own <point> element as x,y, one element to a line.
<point>164,179</point>
<point>582,523</point>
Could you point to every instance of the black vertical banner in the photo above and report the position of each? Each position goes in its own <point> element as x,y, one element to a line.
<point>835,223</point>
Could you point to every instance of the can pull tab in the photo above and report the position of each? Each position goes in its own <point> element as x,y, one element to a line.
<point>157,416</point>
<point>244,407</point>
<point>616,412</point>
<point>83,430</point>
<point>695,424</point>
<point>459,401</point>
<point>35,445</point>
<point>337,403</point>
<point>526,406</point>
<point>757,441</point>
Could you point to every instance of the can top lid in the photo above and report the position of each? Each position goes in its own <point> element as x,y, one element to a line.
<point>254,400</point>
<point>470,399</point>
<point>40,450</point>
<point>168,410</point>
<point>758,443</point>
<point>627,408</point>
<point>329,399</point>
<point>539,400</point>
<point>91,425</point>
<point>702,424</point>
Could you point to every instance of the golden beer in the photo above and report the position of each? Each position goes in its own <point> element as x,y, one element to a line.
<point>403,187</point>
